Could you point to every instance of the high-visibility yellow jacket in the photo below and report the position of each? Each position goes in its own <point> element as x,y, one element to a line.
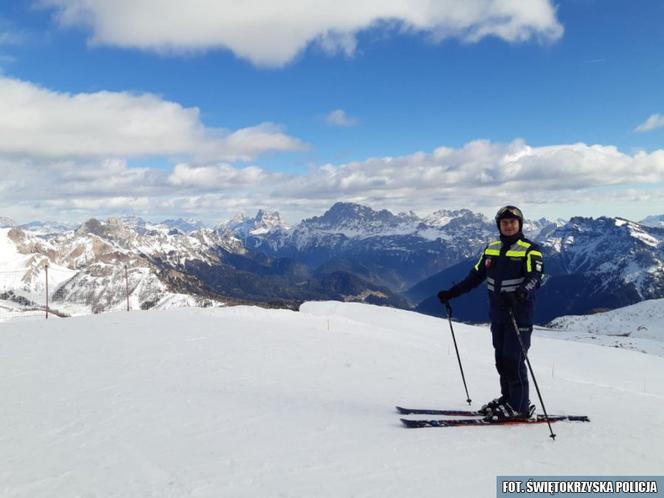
<point>507,265</point>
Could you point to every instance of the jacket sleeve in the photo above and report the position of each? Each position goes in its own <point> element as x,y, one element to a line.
<point>534,270</point>
<point>474,278</point>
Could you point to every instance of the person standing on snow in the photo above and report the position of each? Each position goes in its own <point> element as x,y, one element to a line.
<point>512,267</point>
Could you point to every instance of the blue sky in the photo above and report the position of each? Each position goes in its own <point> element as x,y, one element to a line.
<point>576,72</point>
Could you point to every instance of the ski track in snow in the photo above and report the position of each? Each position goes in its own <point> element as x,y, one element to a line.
<point>247,402</point>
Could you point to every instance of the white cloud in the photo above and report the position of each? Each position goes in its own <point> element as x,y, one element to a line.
<point>479,175</point>
<point>35,121</point>
<point>219,177</point>
<point>270,33</point>
<point>115,203</point>
<point>248,143</point>
<point>9,34</point>
<point>338,117</point>
<point>653,122</point>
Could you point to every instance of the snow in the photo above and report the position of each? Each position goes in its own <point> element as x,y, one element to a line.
<point>644,237</point>
<point>24,273</point>
<point>9,310</point>
<point>246,402</point>
<point>9,255</point>
<point>361,232</point>
<point>637,231</point>
<point>433,234</point>
<point>440,218</point>
<point>86,272</point>
<point>644,320</point>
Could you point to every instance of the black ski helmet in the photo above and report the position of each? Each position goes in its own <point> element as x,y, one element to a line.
<point>509,212</point>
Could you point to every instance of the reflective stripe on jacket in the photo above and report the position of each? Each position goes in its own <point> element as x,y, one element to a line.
<point>507,268</point>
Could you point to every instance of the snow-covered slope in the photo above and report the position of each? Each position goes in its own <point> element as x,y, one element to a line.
<point>246,402</point>
<point>642,320</point>
<point>639,327</point>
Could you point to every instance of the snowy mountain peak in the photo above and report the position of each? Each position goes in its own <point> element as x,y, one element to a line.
<point>622,256</point>
<point>266,221</point>
<point>263,223</point>
<point>655,221</point>
<point>113,229</point>
<point>536,229</point>
<point>346,215</point>
<point>130,221</point>
<point>648,235</point>
<point>621,222</point>
<point>237,219</point>
<point>92,226</point>
<point>184,225</point>
<point>581,231</point>
<point>48,227</point>
<point>443,217</point>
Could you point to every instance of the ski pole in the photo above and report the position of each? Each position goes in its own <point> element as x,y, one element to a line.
<point>532,374</point>
<point>449,318</point>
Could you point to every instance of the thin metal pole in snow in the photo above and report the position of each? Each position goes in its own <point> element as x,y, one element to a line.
<point>463,377</point>
<point>46,271</point>
<point>126,286</point>
<point>532,374</point>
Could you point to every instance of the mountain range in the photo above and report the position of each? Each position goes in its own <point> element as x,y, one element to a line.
<point>349,253</point>
<point>590,265</point>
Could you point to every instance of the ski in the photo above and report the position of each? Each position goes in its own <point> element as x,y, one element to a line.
<point>540,419</point>
<point>456,413</point>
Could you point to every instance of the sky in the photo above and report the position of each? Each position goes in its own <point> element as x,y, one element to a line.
<point>209,108</point>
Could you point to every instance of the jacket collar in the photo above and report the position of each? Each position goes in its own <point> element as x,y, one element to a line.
<point>508,241</point>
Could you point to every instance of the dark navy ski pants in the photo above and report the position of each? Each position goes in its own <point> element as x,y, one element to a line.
<point>511,364</point>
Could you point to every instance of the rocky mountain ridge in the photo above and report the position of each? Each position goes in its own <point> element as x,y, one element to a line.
<point>350,252</point>
<point>591,264</point>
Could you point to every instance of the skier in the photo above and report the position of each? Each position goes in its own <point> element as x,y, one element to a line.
<point>512,267</point>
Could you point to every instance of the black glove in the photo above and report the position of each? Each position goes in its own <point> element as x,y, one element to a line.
<point>521,295</point>
<point>445,295</point>
<point>509,300</point>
